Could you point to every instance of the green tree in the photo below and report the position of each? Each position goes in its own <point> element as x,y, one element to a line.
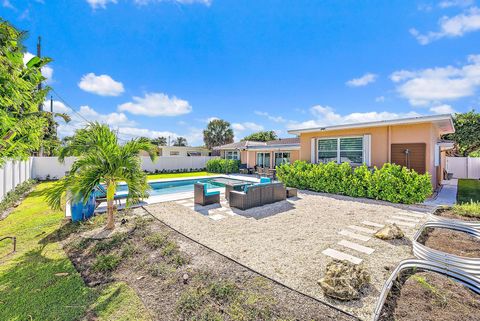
<point>160,141</point>
<point>180,141</point>
<point>217,133</point>
<point>22,123</point>
<point>467,133</point>
<point>262,136</point>
<point>101,159</point>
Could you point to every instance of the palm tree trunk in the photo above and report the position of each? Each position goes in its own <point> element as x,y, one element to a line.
<point>110,206</point>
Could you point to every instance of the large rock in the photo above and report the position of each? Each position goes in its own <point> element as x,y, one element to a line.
<point>344,280</point>
<point>390,232</point>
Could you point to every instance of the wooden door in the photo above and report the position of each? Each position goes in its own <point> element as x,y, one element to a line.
<point>412,156</point>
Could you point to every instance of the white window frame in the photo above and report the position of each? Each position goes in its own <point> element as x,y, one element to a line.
<point>263,160</point>
<point>339,150</point>
<point>235,154</point>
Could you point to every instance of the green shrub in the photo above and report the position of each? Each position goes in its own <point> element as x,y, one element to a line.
<point>391,183</point>
<point>106,263</point>
<point>16,194</point>
<point>155,240</point>
<point>220,165</point>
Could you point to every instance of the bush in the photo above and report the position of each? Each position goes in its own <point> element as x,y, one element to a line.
<point>471,209</point>
<point>16,194</point>
<point>391,183</point>
<point>220,165</point>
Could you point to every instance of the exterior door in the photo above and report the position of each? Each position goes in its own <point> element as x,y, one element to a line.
<point>412,156</point>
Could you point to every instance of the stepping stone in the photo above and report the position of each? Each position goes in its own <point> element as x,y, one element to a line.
<point>182,201</point>
<point>230,212</point>
<point>356,247</point>
<point>408,219</point>
<point>411,214</point>
<point>342,256</point>
<point>401,223</point>
<point>372,224</point>
<point>222,209</point>
<point>216,217</point>
<point>354,235</point>
<point>362,229</point>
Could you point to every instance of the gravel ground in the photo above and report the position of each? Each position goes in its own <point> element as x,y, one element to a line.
<point>285,240</point>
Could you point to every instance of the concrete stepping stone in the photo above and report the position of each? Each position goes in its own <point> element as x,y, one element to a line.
<point>408,219</point>
<point>362,229</point>
<point>216,217</point>
<point>354,235</point>
<point>356,247</point>
<point>402,223</point>
<point>342,256</point>
<point>418,215</point>
<point>373,224</point>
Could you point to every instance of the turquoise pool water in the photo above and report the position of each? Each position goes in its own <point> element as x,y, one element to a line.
<point>173,187</point>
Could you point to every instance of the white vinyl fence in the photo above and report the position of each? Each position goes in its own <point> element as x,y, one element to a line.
<point>13,173</point>
<point>464,167</point>
<point>51,168</point>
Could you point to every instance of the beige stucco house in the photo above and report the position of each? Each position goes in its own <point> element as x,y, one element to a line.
<point>413,142</point>
<point>262,154</point>
<point>180,151</point>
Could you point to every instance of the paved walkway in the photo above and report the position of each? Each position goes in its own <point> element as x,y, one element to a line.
<point>447,195</point>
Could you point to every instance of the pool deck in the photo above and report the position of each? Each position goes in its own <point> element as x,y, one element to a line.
<point>177,196</point>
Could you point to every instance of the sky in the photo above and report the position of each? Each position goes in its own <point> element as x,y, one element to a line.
<point>166,67</point>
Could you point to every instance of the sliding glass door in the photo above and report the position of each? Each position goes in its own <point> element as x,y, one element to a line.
<point>263,160</point>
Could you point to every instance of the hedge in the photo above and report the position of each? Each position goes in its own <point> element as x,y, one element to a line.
<point>391,183</point>
<point>220,165</point>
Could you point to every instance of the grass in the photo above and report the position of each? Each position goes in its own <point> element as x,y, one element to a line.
<point>39,282</point>
<point>179,175</point>
<point>471,209</point>
<point>468,190</point>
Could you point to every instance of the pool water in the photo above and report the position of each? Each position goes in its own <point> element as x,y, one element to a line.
<point>173,187</point>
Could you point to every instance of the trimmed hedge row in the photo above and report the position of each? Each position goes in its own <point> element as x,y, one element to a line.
<point>391,183</point>
<point>220,165</point>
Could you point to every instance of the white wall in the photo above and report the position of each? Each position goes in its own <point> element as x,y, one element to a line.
<point>12,174</point>
<point>50,166</point>
<point>464,167</point>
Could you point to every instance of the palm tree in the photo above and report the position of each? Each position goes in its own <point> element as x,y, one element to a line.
<point>101,159</point>
<point>218,132</point>
<point>180,141</point>
<point>160,141</point>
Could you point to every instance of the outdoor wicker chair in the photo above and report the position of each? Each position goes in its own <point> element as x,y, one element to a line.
<point>203,197</point>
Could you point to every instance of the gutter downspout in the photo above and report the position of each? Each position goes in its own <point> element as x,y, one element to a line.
<point>389,142</point>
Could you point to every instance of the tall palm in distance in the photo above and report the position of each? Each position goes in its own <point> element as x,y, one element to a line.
<point>180,141</point>
<point>217,133</point>
<point>101,160</point>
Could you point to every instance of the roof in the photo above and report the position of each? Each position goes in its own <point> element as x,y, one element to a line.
<point>444,122</point>
<point>283,142</point>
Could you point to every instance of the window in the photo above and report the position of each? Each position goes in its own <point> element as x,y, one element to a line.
<point>194,154</point>
<point>282,158</point>
<point>263,160</point>
<point>174,153</point>
<point>232,155</point>
<point>341,150</point>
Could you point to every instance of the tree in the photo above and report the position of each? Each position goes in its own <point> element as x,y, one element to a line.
<point>217,133</point>
<point>160,141</point>
<point>262,136</point>
<point>101,159</point>
<point>180,141</point>
<point>22,124</point>
<point>467,133</point>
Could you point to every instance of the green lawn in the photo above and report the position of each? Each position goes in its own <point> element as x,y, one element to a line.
<point>468,189</point>
<point>177,175</point>
<point>31,287</point>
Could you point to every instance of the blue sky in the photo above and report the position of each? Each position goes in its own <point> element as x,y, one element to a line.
<point>152,67</point>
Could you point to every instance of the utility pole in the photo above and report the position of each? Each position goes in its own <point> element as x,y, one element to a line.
<point>51,104</point>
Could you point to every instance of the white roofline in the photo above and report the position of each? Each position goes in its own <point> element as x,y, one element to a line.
<point>400,121</point>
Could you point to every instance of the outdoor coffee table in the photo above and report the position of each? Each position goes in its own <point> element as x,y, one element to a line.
<point>231,185</point>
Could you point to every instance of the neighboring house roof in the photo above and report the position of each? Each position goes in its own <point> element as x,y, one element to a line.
<point>243,145</point>
<point>444,122</point>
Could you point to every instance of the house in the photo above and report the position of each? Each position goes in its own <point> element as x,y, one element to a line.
<point>263,154</point>
<point>181,151</point>
<point>412,142</point>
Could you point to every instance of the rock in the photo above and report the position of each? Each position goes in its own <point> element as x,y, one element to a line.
<point>390,232</point>
<point>344,280</point>
<point>140,278</point>
<point>185,278</point>
<point>62,274</point>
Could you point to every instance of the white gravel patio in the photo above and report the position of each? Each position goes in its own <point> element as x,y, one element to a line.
<point>292,241</point>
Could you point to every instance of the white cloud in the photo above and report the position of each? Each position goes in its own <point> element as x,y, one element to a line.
<point>422,87</point>
<point>7,4</point>
<point>362,81</point>
<point>95,4</point>
<point>102,85</point>
<point>156,104</point>
<point>451,27</point>
<point>46,71</point>
<point>455,3</point>
<point>239,127</point>
<point>276,119</point>
<point>442,109</point>
<point>380,99</point>
<point>326,116</point>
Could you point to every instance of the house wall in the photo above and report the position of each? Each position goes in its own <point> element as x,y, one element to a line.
<point>381,140</point>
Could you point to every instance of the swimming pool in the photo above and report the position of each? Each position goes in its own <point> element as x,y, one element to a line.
<point>178,186</point>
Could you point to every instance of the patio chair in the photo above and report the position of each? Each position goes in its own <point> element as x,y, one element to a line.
<point>243,169</point>
<point>203,196</point>
<point>257,195</point>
